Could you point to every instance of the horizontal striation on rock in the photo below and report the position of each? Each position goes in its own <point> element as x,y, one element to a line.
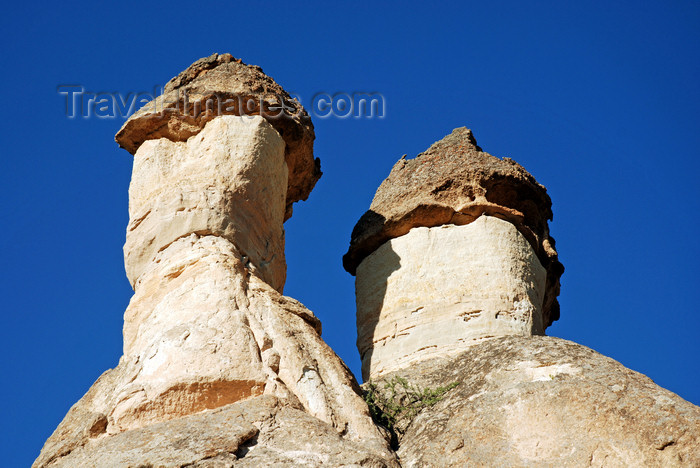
<point>455,182</point>
<point>435,291</point>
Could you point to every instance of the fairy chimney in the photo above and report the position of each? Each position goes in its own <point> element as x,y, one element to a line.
<point>457,280</point>
<point>219,159</point>
<point>454,249</point>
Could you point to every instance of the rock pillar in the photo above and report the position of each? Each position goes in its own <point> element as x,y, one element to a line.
<point>457,279</point>
<point>455,249</point>
<point>219,159</point>
<point>205,216</point>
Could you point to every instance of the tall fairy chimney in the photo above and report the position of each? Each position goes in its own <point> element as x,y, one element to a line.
<point>454,249</point>
<point>209,191</point>
<point>219,159</point>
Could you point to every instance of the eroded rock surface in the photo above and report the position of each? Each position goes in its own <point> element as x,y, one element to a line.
<point>227,181</point>
<point>455,182</point>
<point>435,291</point>
<point>543,401</point>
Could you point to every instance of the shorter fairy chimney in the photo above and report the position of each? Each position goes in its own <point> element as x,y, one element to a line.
<point>454,249</point>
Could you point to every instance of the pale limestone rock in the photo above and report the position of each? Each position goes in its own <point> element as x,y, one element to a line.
<point>188,329</point>
<point>204,326</point>
<point>436,291</point>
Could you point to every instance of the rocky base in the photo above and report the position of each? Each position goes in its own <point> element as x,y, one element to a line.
<point>543,401</point>
<point>521,401</point>
<point>263,431</point>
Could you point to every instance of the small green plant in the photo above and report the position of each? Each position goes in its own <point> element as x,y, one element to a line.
<point>396,404</point>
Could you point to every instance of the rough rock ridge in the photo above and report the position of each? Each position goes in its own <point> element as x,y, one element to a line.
<point>546,402</point>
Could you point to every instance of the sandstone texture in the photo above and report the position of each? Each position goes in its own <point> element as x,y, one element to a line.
<point>436,290</point>
<point>218,366</point>
<point>223,85</point>
<point>546,402</point>
<point>455,182</point>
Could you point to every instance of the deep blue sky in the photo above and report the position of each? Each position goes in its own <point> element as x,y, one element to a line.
<point>599,101</point>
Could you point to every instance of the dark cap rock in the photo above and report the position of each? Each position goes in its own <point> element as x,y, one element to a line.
<point>455,182</point>
<point>221,84</point>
